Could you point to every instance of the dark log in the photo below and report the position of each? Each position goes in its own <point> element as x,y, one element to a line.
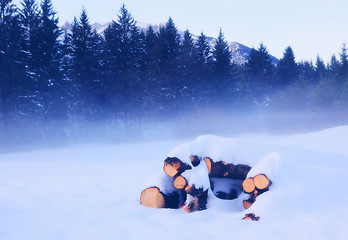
<point>218,169</point>
<point>223,170</point>
<point>239,171</point>
<point>251,216</point>
<point>193,191</point>
<point>198,204</point>
<point>180,182</point>
<point>174,166</point>
<point>195,160</point>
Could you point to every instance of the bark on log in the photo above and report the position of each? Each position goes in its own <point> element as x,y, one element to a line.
<point>251,216</point>
<point>180,182</point>
<point>193,191</point>
<point>261,182</point>
<point>248,185</point>
<point>223,170</point>
<point>174,166</point>
<point>218,169</point>
<point>239,171</point>
<point>195,160</point>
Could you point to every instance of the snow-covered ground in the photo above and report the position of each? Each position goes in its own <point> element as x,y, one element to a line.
<point>92,191</point>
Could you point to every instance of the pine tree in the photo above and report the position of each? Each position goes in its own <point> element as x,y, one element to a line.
<point>334,68</point>
<point>260,71</point>
<point>287,71</point>
<point>169,40</point>
<point>306,72</point>
<point>222,79</point>
<point>84,66</point>
<point>344,64</point>
<point>204,61</point>
<point>12,62</point>
<point>320,69</point>
<point>222,57</point>
<point>187,64</point>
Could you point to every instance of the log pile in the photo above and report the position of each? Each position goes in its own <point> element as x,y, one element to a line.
<point>225,180</point>
<point>254,187</point>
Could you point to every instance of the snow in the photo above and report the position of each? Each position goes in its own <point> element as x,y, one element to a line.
<point>92,191</point>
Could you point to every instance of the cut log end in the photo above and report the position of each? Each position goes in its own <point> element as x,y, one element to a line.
<point>209,163</point>
<point>152,197</point>
<point>180,182</point>
<point>174,166</point>
<point>170,170</point>
<point>247,203</point>
<point>261,181</point>
<point>248,185</point>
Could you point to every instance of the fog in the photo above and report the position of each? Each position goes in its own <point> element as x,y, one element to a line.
<point>169,126</point>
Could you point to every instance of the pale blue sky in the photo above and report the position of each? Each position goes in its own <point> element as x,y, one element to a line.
<point>310,27</point>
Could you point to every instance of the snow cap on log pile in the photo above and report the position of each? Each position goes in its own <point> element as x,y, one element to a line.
<point>269,165</point>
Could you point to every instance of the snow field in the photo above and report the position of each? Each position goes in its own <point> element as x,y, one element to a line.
<point>92,191</point>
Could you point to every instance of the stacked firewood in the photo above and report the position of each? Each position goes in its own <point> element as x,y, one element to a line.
<point>192,196</point>
<point>255,186</point>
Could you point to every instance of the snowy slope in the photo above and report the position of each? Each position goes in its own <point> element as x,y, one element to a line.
<point>92,191</point>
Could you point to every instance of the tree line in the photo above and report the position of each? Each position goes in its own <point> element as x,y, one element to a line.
<point>50,76</point>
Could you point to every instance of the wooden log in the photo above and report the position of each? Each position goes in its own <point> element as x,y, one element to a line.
<point>261,182</point>
<point>153,197</point>
<point>247,203</point>
<point>248,185</point>
<point>209,162</point>
<point>218,169</point>
<point>223,170</point>
<point>251,216</point>
<point>195,160</point>
<point>174,166</point>
<point>239,171</point>
<point>180,182</point>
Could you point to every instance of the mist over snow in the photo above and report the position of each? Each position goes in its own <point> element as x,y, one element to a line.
<point>91,191</point>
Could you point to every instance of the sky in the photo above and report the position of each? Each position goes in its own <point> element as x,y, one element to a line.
<point>310,27</point>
